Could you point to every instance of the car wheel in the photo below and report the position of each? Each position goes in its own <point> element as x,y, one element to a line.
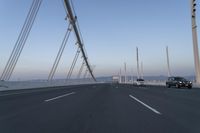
<point>168,86</point>
<point>177,86</point>
<point>189,87</point>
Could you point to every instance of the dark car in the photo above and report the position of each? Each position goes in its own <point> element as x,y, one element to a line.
<point>178,82</point>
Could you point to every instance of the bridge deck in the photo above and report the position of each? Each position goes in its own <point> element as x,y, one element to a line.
<point>102,108</point>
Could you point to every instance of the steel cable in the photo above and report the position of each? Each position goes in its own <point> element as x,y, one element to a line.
<point>60,52</point>
<point>85,74</point>
<point>13,53</point>
<point>21,40</point>
<point>73,64</point>
<point>25,36</point>
<point>80,70</point>
<point>76,30</point>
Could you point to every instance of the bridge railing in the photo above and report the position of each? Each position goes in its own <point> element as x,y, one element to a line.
<point>16,85</point>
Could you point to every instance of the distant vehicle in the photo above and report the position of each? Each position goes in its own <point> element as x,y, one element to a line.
<point>140,82</point>
<point>115,79</point>
<point>178,82</point>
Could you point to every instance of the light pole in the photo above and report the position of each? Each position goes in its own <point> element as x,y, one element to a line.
<point>125,73</point>
<point>138,69</point>
<point>168,66</point>
<point>142,73</point>
<point>120,76</point>
<point>195,41</point>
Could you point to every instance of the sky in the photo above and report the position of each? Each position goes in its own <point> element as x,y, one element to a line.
<point>111,31</point>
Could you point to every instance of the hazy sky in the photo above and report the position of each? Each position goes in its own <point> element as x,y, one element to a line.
<point>111,30</point>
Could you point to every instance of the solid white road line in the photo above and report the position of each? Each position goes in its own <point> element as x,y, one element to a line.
<point>13,94</point>
<point>152,109</point>
<point>59,96</point>
<point>19,93</point>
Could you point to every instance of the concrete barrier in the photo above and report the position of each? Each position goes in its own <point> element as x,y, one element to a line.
<point>16,85</point>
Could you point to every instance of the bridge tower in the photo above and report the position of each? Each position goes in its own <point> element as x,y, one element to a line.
<point>195,41</point>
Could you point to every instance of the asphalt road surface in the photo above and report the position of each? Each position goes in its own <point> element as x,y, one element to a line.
<point>101,108</point>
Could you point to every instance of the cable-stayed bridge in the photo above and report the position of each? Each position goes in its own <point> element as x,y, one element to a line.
<point>59,106</point>
<point>73,26</point>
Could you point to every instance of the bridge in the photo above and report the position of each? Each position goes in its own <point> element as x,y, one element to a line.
<point>80,102</point>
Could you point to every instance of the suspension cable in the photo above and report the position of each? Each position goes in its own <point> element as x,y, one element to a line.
<point>85,74</point>
<point>16,45</point>
<point>20,43</point>
<point>80,70</point>
<point>8,70</point>
<point>78,27</point>
<point>93,67</point>
<point>60,52</point>
<point>72,19</point>
<point>73,64</point>
<point>24,38</point>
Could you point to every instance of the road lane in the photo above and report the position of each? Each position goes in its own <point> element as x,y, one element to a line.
<point>144,104</point>
<point>13,102</point>
<point>180,105</point>
<point>58,97</point>
<point>102,108</point>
